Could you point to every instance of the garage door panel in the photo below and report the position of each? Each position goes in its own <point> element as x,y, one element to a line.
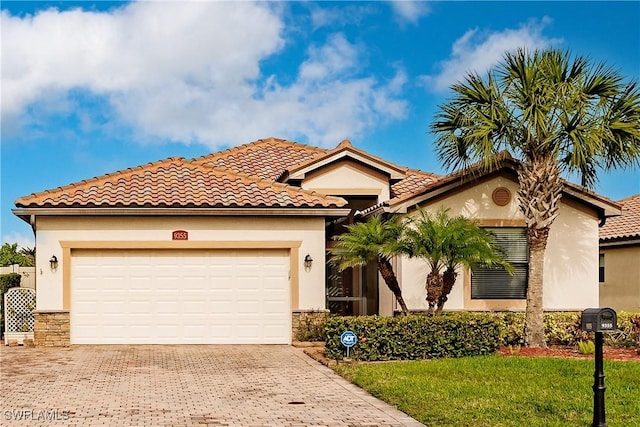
<point>195,297</point>
<point>195,306</point>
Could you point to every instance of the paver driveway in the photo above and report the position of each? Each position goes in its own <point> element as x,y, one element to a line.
<point>181,386</point>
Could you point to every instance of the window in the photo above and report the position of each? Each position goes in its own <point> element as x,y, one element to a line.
<point>601,269</point>
<point>496,283</point>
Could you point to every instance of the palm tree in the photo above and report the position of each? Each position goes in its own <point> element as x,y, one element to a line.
<point>554,113</point>
<point>28,256</point>
<point>447,243</point>
<point>373,240</point>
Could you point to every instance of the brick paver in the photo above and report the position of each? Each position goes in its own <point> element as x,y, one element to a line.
<point>181,386</point>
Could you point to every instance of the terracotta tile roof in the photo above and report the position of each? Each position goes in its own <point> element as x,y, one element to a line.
<point>344,146</point>
<point>625,226</point>
<point>413,183</point>
<point>422,184</point>
<point>413,179</point>
<point>176,182</point>
<point>503,160</point>
<point>264,158</point>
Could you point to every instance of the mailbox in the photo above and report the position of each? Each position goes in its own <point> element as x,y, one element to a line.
<point>599,320</point>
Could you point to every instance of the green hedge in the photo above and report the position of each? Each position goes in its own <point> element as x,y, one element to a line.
<point>415,337</point>
<point>563,329</point>
<point>457,334</point>
<point>7,281</point>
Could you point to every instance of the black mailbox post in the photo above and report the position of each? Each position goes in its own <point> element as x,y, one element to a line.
<point>599,320</point>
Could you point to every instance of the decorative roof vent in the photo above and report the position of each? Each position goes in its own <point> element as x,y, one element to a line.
<point>501,196</point>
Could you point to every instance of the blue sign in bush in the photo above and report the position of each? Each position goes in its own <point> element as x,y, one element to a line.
<point>348,339</point>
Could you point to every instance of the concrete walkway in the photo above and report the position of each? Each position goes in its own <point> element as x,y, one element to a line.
<point>181,386</point>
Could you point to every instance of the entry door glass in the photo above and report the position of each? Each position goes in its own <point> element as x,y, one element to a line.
<point>344,291</point>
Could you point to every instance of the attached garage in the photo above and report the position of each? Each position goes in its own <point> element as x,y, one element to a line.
<point>169,296</point>
<point>179,251</point>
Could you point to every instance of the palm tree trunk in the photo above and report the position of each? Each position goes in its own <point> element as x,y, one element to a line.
<point>386,271</point>
<point>539,194</point>
<point>434,289</point>
<point>534,316</point>
<point>448,280</point>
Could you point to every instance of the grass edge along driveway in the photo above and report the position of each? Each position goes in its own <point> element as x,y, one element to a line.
<point>501,391</point>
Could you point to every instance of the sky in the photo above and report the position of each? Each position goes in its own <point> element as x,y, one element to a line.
<point>90,88</point>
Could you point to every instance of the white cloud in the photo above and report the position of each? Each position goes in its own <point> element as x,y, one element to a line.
<point>478,51</point>
<point>324,15</point>
<point>329,61</point>
<point>190,72</point>
<point>410,10</point>
<point>23,240</point>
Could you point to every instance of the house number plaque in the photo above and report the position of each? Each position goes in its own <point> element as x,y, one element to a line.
<point>180,235</point>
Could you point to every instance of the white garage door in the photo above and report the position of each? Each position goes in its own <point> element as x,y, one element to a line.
<point>180,297</point>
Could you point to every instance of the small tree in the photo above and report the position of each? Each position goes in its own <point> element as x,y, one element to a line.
<point>28,257</point>
<point>377,240</point>
<point>448,243</point>
<point>10,255</point>
<point>554,113</point>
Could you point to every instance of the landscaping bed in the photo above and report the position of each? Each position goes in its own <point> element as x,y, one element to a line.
<point>609,353</point>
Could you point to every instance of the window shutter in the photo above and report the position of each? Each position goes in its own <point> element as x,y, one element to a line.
<point>496,283</point>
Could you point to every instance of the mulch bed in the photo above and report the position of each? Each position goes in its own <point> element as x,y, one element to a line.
<point>609,353</point>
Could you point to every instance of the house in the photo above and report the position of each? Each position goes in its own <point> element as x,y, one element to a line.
<point>620,258</point>
<point>232,246</point>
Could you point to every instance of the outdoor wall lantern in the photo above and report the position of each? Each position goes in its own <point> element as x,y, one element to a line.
<point>53,262</point>
<point>308,261</point>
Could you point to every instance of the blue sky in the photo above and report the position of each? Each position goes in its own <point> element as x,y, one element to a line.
<point>94,87</point>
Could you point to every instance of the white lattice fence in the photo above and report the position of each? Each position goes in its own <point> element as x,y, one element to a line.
<point>19,304</point>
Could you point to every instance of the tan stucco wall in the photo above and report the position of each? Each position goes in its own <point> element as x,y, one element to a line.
<point>309,232</point>
<point>28,279</point>
<point>571,261</point>
<point>621,287</point>
<point>348,178</point>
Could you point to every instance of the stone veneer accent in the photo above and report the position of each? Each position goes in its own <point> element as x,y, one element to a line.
<point>306,317</point>
<point>51,328</point>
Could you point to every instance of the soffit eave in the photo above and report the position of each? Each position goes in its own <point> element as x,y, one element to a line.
<point>27,213</point>
<point>420,198</point>
<point>605,207</point>
<point>619,242</point>
<point>394,173</point>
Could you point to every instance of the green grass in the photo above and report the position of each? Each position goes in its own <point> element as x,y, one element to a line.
<point>502,391</point>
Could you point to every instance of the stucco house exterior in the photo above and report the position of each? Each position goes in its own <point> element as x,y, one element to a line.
<point>620,258</point>
<point>231,247</point>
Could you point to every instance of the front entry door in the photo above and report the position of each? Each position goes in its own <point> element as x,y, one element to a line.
<point>354,291</point>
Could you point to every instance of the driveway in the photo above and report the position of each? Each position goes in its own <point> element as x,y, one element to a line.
<point>146,385</point>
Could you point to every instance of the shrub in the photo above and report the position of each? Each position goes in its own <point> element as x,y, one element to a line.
<point>311,327</point>
<point>628,334</point>
<point>586,347</point>
<point>7,281</point>
<point>456,334</point>
<point>563,328</point>
<point>415,337</point>
<point>512,332</point>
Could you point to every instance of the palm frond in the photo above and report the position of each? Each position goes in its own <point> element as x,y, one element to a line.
<point>367,241</point>
<point>542,104</point>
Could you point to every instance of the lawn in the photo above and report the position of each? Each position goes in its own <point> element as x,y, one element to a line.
<point>502,391</point>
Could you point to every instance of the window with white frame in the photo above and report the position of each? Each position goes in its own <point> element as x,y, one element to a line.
<point>496,283</point>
